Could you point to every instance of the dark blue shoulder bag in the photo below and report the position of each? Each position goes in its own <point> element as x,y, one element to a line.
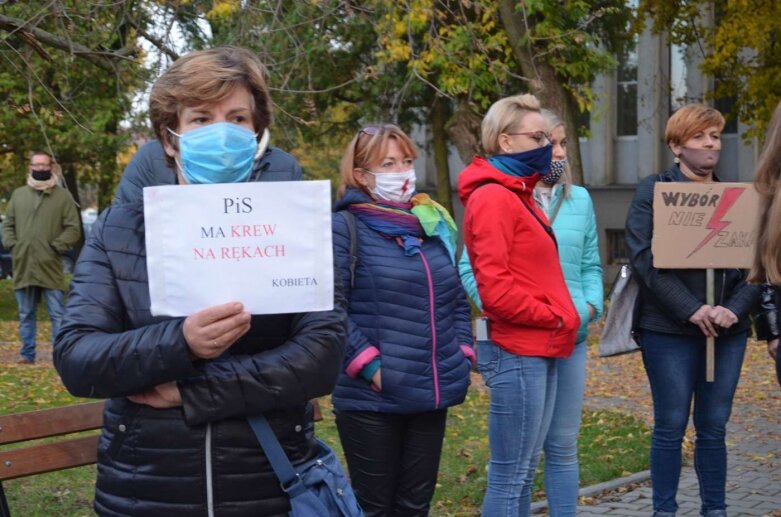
<point>317,488</point>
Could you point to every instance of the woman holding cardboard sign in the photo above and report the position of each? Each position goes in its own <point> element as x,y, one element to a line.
<point>409,347</point>
<point>674,322</point>
<point>176,440</point>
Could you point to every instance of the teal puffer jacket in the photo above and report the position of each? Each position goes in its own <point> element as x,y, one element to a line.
<point>575,227</point>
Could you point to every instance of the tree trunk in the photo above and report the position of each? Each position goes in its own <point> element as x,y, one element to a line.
<point>439,141</point>
<point>543,82</point>
<point>70,176</point>
<point>463,128</point>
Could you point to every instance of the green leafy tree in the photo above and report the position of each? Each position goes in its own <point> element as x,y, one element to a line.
<point>740,49</point>
<point>475,52</point>
<point>66,85</point>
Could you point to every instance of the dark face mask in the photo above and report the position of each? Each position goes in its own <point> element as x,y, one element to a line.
<point>701,162</point>
<point>42,175</point>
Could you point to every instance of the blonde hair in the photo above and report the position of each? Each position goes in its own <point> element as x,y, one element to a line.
<point>207,77</point>
<point>369,147</point>
<point>505,115</point>
<point>690,120</point>
<point>767,181</point>
<point>552,121</point>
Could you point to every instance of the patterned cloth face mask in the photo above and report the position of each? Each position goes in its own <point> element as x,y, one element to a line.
<point>557,168</point>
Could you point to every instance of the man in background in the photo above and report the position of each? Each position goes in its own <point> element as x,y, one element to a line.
<point>40,224</point>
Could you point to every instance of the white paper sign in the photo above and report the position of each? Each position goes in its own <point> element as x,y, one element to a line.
<point>266,245</point>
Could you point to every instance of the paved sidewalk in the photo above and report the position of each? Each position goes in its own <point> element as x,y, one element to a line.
<point>753,479</point>
<point>754,448</point>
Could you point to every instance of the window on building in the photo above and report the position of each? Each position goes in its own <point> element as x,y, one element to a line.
<point>678,90</point>
<point>626,86</point>
<point>617,252</point>
<point>583,122</point>
<point>726,105</point>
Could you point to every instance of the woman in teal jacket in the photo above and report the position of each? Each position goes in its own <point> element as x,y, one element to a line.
<point>571,214</point>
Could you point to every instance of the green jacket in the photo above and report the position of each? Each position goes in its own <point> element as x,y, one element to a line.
<point>40,226</point>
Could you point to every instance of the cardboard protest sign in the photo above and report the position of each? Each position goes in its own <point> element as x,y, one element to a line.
<point>267,245</point>
<point>704,225</point>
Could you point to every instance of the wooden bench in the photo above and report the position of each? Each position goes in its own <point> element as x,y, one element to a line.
<point>47,457</point>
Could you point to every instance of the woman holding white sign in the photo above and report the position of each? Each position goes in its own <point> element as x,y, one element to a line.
<point>409,347</point>
<point>176,440</point>
<point>675,320</point>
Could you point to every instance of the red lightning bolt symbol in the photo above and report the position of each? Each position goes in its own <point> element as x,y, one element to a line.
<point>715,224</point>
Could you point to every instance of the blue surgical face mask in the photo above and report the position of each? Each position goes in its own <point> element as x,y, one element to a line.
<point>218,153</point>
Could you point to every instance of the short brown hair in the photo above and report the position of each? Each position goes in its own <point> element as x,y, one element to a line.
<point>690,120</point>
<point>207,77</point>
<point>504,115</point>
<point>368,147</point>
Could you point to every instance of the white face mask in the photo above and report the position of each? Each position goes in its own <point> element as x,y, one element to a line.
<point>394,186</point>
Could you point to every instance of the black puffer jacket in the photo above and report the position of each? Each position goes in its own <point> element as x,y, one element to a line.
<point>148,167</point>
<point>668,297</point>
<point>200,459</point>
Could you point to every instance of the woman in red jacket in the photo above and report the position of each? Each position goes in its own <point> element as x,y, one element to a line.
<point>530,314</point>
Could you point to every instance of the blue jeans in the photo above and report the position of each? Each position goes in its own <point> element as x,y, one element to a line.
<point>27,301</point>
<point>676,370</point>
<point>561,444</point>
<point>522,390</point>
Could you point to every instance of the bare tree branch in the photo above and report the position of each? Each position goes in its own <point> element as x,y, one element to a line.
<point>100,58</point>
<point>157,42</point>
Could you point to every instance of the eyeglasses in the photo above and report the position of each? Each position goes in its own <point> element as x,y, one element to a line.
<point>537,136</point>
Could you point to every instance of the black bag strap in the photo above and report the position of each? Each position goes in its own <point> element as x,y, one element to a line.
<point>548,229</point>
<point>349,219</point>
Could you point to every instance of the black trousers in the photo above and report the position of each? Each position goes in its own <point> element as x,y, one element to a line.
<point>393,459</point>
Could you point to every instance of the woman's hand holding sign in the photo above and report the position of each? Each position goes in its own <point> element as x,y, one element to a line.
<point>212,331</point>
<point>208,334</point>
<point>722,317</point>
<point>701,319</point>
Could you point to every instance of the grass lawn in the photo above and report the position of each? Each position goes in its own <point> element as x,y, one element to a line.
<point>611,445</point>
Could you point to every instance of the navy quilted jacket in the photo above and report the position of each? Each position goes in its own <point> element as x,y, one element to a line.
<point>411,312</point>
<point>200,459</point>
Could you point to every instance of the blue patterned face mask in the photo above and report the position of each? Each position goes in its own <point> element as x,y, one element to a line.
<point>218,153</point>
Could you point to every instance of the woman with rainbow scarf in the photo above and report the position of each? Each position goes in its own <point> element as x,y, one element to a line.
<point>409,348</point>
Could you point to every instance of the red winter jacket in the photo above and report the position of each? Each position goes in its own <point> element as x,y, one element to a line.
<point>516,264</point>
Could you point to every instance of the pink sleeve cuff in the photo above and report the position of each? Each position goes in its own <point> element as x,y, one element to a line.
<point>361,360</point>
<point>469,353</point>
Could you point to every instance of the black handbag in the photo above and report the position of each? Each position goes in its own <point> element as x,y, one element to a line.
<point>316,488</point>
<point>617,335</point>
